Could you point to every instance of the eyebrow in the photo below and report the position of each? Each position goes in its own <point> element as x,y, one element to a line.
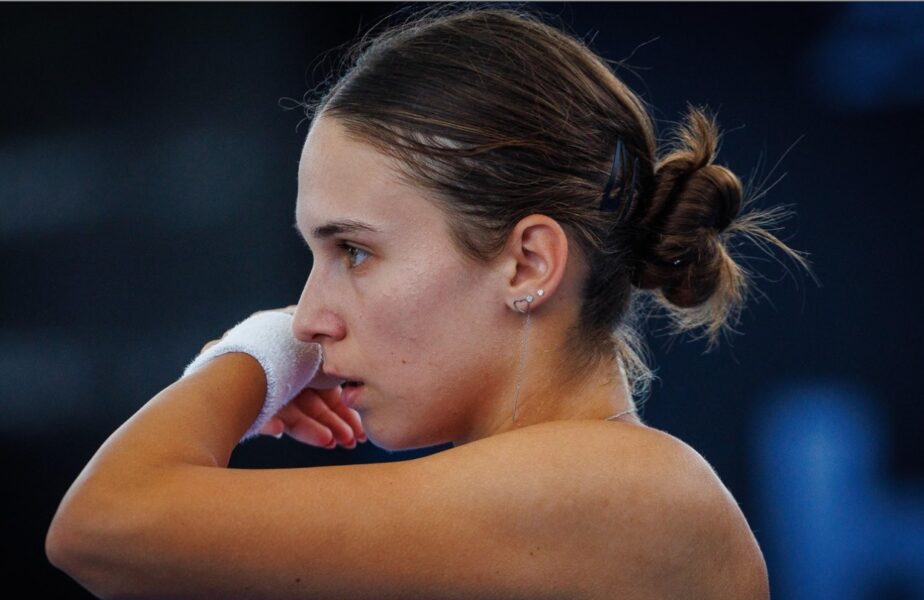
<point>335,227</point>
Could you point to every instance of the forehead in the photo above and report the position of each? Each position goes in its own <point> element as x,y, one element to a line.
<point>342,178</point>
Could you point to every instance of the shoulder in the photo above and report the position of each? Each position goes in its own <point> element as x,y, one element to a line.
<point>635,496</point>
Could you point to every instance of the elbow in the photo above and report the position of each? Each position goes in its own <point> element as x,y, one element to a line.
<point>86,549</point>
<point>66,555</point>
<point>55,546</point>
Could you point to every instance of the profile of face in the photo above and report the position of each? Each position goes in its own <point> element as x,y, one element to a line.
<point>390,299</point>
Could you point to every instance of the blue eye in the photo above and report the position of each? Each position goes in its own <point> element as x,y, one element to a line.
<point>350,251</point>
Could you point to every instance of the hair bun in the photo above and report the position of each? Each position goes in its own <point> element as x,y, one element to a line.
<point>677,247</point>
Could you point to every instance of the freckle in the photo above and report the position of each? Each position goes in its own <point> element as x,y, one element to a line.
<point>298,580</point>
<point>404,361</point>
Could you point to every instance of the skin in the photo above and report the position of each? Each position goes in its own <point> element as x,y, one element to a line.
<point>560,504</point>
<point>417,365</point>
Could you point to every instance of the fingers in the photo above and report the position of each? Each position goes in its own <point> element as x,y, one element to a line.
<point>347,415</point>
<point>304,428</point>
<point>318,418</point>
<point>310,431</point>
<point>318,404</point>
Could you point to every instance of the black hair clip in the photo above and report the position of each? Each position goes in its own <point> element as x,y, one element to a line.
<point>627,192</point>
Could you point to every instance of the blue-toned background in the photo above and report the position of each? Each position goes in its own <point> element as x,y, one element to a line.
<point>147,189</point>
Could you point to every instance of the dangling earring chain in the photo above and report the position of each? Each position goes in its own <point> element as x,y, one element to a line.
<point>529,300</point>
<point>516,395</point>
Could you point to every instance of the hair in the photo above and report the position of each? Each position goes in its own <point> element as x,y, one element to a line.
<point>500,115</point>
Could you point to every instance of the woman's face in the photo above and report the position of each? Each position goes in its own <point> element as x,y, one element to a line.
<point>391,301</point>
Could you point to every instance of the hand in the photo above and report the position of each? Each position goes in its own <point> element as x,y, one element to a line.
<point>318,418</point>
<point>315,417</point>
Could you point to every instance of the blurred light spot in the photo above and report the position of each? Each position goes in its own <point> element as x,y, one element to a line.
<point>872,57</point>
<point>836,530</point>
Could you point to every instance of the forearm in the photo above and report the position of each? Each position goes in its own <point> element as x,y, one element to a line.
<point>197,420</point>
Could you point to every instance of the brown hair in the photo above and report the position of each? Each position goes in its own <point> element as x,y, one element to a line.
<point>501,116</point>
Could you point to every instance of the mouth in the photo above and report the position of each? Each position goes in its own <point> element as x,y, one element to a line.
<point>344,380</point>
<point>350,392</point>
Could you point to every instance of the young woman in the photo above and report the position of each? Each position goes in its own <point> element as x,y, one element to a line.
<point>488,212</point>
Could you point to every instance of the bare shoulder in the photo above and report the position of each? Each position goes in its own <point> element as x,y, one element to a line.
<point>704,536</point>
<point>650,517</point>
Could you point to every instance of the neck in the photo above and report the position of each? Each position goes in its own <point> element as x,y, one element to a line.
<point>546,392</point>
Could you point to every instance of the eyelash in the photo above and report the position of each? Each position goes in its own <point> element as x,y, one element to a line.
<point>347,248</point>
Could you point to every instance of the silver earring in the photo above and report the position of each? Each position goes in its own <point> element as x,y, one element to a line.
<point>529,300</point>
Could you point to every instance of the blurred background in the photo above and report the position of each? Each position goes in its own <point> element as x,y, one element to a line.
<point>147,187</point>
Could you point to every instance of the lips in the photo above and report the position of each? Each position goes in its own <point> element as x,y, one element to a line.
<point>349,393</point>
<point>340,378</point>
<point>323,380</point>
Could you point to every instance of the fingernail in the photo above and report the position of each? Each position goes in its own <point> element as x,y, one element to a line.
<point>278,435</point>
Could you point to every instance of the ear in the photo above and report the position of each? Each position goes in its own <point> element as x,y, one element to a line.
<point>535,258</point>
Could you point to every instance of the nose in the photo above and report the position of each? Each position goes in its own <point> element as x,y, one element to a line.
<point>314,319</point>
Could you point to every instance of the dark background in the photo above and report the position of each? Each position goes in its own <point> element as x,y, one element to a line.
<point>148,183</point>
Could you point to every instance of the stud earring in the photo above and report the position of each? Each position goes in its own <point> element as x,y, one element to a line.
<point>528,299</point>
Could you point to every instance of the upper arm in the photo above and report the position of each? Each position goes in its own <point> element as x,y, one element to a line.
<point>472,522</point>
<point>531,514</point>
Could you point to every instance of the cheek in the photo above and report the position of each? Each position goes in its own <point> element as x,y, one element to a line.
<point>409,312</point>
<point>428,329</point>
